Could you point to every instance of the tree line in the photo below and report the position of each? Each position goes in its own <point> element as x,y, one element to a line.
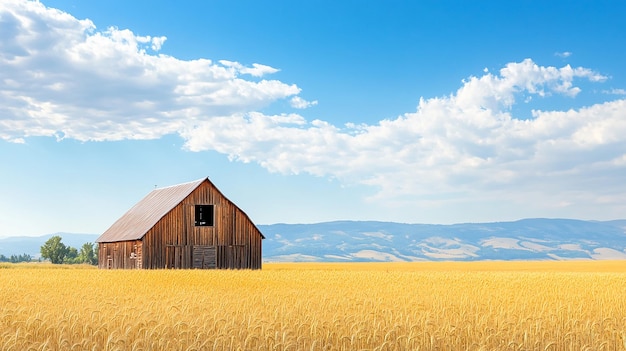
<point>57,252</point>
<point>16,258</point>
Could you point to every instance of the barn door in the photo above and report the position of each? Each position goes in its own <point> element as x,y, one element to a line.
<point>204,257</point>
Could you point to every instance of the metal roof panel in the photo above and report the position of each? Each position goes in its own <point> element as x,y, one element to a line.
<point>137,221</point>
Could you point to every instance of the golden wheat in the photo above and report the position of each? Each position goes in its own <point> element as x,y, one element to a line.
<point>410,306</point>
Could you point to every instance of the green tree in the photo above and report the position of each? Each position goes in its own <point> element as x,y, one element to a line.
<point>87,255</point>
<point>71,256</point>
<point>20,258</point>
<point>54,250</point>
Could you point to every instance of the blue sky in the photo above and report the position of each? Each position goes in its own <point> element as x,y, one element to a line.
<point>302,112</point>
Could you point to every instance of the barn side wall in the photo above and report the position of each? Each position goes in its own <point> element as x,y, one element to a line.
<point>233,238</point>
<point>121,255</point>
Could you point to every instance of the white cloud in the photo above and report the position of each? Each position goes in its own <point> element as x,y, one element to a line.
<point>157,43</point>
<point>300,103</point>
<point>615,91</point>
<point>464,147</point>
<point>257,70</point>
<point>62,76</point>
<point>564,54</point>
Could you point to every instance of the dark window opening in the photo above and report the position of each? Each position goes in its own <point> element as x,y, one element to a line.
<point>204,215</point>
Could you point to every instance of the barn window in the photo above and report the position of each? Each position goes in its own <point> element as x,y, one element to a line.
<point>204,215</point>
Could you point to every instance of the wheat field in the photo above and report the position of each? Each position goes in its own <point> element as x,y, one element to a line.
<point>576,305</point>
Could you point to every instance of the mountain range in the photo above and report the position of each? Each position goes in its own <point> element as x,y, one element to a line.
<point>362,241</point>
<point>528,239</point>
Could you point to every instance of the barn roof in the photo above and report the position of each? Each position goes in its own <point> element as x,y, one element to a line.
<point>137,221</point>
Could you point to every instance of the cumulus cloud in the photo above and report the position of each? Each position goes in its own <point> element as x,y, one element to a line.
<point>564,54</point>
<point>615,91</point>
<point>300,103</point>
<point>63,78</point>
<point>157,43</point>
<point>257,70</point>
<point>467,144</point>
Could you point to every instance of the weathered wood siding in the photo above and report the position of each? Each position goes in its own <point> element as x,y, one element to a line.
<point>170,243</point>
<point>122,254</point>
<point>232,242</point>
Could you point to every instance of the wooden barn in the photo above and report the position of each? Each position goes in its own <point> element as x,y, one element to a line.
<point>189,225</point>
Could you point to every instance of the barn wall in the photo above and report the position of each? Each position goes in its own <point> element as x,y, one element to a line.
<point>120,255</point>
<point>234,238</point>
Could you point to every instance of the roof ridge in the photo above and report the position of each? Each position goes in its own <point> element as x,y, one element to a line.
<point>140,218</point>
<point>185,183</point>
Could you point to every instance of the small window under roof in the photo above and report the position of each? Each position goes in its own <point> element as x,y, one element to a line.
<point>204,215</point>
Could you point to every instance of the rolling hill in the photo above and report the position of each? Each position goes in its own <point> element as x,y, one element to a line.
<point>528,239</point>
<point>354,241</point>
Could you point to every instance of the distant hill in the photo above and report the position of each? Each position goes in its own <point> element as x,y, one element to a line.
<point>528,239</point>
<point>353,241</point>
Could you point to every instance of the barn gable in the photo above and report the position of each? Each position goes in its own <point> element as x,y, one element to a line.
<point>190,225</point>
<point>135,223</point>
